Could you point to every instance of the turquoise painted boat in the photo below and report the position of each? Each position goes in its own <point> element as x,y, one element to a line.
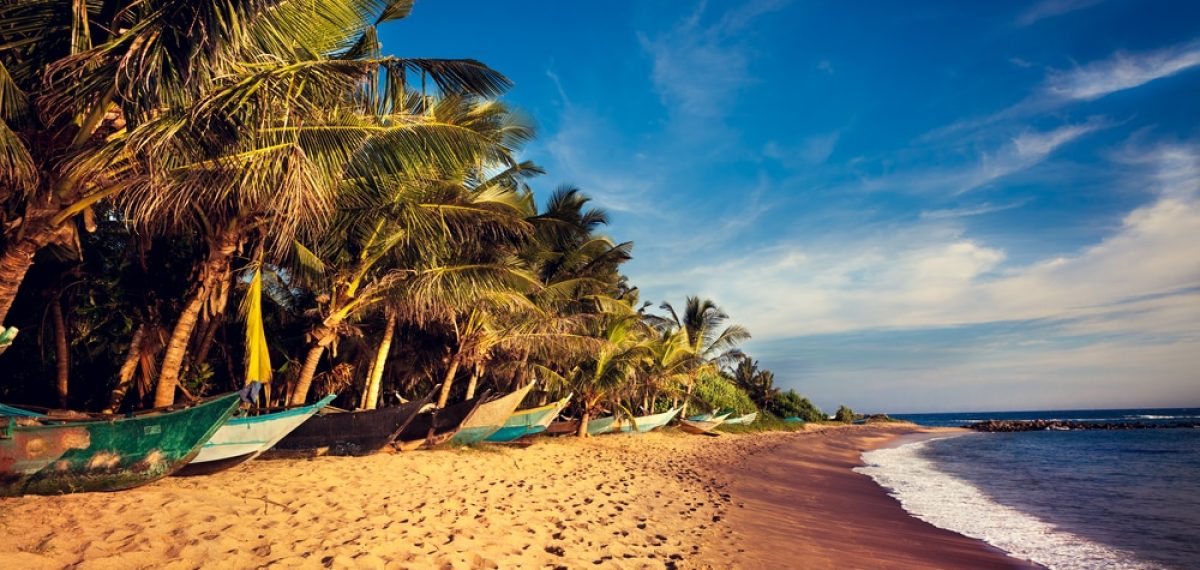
<point>244,438</point>
<point>644,424</point>
<point>489,417</point>
<point>47,456</point>
<point>18,412</point>
<point>793,419</point>
<point>702,417</point>
<point>529,422</point>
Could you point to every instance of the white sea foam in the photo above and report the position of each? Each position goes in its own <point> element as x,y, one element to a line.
<point>953,504</point>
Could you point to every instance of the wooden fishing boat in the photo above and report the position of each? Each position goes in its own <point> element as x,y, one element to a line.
<point>702,417</point>
<point>644,424</point>
<point>51,455</point>
<point>571,427</point>
<point>18,412</point>
<point>528,422</point>
<point>489,417</point>
<point>702,427</point>
<point>746,419</point>
<point>437,426</point>
<point>361,432</point>
<point>244,438</point>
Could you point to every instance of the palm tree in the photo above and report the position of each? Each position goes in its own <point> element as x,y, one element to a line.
<point>712,343</point>
<point>232,102</point>
<point>757,383</point>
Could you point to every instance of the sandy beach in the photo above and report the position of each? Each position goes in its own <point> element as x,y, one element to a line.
<point>661,500</point>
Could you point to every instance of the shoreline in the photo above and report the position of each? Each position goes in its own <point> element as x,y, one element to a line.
<point>804,505</point>
<point>657,500</point>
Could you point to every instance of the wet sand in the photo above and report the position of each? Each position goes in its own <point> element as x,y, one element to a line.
<point>804,507</point>
<point>660,500</point>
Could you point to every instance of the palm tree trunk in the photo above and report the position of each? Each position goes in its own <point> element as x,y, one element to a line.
<point>445,393</point>
<point>125,376</point>
<point>61,350</point>
<point>215,270</point>
<point>376,379</point>
<point>583,422</point>
<point>474,381</point>
<point>18,257</point>
<point>300,394</point>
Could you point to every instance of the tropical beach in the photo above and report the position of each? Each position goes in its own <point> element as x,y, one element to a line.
<point>749,284</point>
<point>607,502</point>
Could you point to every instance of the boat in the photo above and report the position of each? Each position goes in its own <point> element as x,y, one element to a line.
<point>571,427</point>
<point>489,417</point>
<point>702,417</point>
<point>528,422</point>
<point>437,426</point>
<point>702,427</point>
<point>746,419</point>
<point>793,419</point>
<point>339,432</point>
<point>244,438</point>
<point>18,412</point>
<point>644,424</point>
<point>46,456</point>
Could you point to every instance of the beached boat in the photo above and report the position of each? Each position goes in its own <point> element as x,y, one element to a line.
<point>529,422</point>
<point>743,419</point>
<point>702,427</point>
<point>244,438</point>
<point>793,419</point>
<point>644,424</point>
<point>18,412</point>
<point>437,426</point>
<point>702,417</point>
<point>361,432</point>
<point>489,417</point>
<point>571,427</point>
<point>51,455</point>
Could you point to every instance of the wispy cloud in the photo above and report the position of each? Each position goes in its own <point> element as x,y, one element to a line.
<point>967,211</point>
<point>1122,71</point>
<point>1018,153</point>
<point>698,69</point>
<point>1050,8</point>
<point>812,150</point>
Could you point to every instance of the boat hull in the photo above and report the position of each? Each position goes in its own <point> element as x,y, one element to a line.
<point>436,427</point>
<point>489,417</point>
<point>348,433</point>
<point>243,439</point>
<point>646,423</point>
<point>746,419</point>
<point>597,426</point>
<point>528,422</point>
<point>105,455</point>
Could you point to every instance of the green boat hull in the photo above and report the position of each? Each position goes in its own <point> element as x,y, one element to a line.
<point>104,455</point>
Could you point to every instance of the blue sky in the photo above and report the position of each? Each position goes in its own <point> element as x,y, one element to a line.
<point>914,206</point>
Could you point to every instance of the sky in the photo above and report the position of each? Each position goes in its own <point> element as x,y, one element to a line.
<point>913,206</point>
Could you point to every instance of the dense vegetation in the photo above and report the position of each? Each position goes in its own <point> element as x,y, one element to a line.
<point>198,194</point>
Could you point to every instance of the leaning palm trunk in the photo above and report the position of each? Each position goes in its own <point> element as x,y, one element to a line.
<point>371,398</point>
<point>214,272</point>
<point>61,350</point>
<point>474,382</point>
<point>583,424</point>
<point>324,337</point>
<point>448,381</point>
<point>125,376</point>
<point>18,258</point>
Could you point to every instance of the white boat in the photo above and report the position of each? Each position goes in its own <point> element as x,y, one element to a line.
<point>645,423</point>
<point>743,420</point>
<point>242,439</point>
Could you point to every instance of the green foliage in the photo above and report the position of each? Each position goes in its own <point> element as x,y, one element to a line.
<point>791,404</point>
<point>716,392</point>
<point>844,414</point>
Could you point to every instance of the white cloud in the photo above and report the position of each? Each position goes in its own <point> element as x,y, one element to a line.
<point>932,275</point>
<point>1122,71</point>
<point>812,150</point>
<point>1050,8</point>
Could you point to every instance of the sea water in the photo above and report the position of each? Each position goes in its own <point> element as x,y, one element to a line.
<point>1064,499</point>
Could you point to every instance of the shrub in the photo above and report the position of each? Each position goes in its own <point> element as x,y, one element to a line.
<point>791,404</point>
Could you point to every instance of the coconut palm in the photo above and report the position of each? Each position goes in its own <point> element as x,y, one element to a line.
<point>205,97</point>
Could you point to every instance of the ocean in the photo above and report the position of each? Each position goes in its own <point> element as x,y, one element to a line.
<point>1064,499</point>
